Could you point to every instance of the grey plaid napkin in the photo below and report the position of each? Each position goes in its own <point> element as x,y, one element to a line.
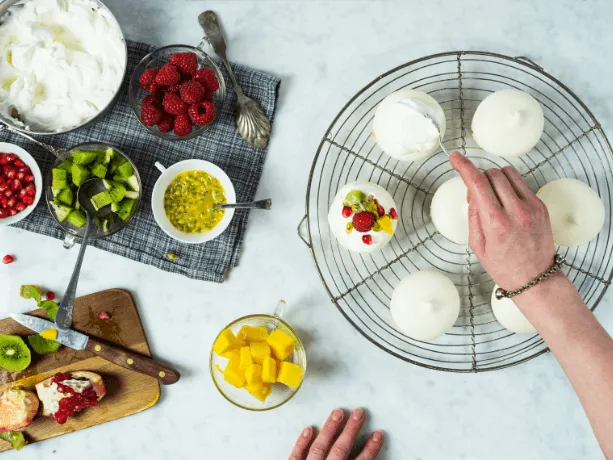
<point>142,240</point>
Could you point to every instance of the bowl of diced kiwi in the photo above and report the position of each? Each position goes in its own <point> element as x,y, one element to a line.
<point>115,201</point>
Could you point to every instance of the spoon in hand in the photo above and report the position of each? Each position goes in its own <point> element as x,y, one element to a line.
<point>63,318</point>
<point>252,123</point>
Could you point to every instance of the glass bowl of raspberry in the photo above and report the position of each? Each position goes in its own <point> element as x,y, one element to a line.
<point>20,183</point>
<point>177,92</point>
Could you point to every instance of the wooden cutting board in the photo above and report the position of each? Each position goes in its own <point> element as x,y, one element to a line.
<point>127,392</point>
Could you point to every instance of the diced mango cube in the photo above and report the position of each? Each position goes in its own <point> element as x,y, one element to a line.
<point>232,354</point>
<point>253,374</point>
<point>269,370</point>
<point>233,374</point>
<point>282,344</point>
<point>259,390</point>
<point>225,342</point>
<point>245,358</point>
<point>253,333</point>
<point>259,351</point>
<point>290,374</point>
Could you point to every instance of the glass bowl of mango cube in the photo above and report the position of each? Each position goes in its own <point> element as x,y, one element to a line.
<point>258,362</point>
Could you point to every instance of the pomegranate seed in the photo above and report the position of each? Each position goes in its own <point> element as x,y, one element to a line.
<point>23,192</point>
<point>20,206</point>
<point>28,178</point>
<point>16,185</point>
<point>8,193</point>
<point>3,159</point>
<point>9,172</point>
<point>4,213</point>
<point>11,157</point>
<point>4,202</point>
<point>367,239</point>
<point>8,259</point>
<point>50,295</point>
<point>3,186</point>
<point>12,212</point>
<point>18,163</point>
<point>347,211</point>
<point>31,190</point>
<point>28,200</point>
<point>104,316</point>
<point>20,175</point>
<point>393,214</point>
<point>380,210</point>
<point>12,202</point>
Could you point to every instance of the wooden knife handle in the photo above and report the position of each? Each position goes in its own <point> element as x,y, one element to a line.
<point>134,361</point>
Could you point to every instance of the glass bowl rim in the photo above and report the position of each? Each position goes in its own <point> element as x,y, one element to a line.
<point>246,317</point>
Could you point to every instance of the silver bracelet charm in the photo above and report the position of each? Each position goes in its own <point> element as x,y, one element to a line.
<point>556,267</point>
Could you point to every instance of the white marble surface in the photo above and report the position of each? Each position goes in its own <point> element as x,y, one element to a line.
<point>325,51</point>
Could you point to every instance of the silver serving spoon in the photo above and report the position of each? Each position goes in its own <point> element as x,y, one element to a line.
<point>63,318</point>
<point>438,128</point>
<point>252,123</point>
<point>261,204</point>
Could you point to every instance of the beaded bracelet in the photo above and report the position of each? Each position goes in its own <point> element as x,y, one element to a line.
<point>556,267</point>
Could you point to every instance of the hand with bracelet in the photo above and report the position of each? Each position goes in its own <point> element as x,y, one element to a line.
<point>511,236</point>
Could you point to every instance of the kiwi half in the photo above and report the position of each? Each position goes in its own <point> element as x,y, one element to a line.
<point>15,355</point>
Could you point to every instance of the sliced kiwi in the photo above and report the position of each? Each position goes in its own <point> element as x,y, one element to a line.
<point>15,438</point>
<point>43,346</point>
<point>15,355</point>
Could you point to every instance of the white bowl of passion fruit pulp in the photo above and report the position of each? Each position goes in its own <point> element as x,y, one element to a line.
<point>157,199</point>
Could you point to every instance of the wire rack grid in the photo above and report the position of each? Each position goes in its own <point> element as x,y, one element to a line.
<point>573,145</point>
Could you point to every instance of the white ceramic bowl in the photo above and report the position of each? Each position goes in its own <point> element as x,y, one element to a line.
<point>38,181</point>
<point>157,199</point>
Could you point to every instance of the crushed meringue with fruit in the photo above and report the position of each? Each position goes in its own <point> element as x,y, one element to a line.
<point>61,63</point>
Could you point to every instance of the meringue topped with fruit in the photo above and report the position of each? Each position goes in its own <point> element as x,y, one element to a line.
<point>363,217</point>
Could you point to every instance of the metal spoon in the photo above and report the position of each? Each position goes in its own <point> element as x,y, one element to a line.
<point>438,128</point>
<point>252,123</point>
<point>63,318</point>
<point>261,204</point>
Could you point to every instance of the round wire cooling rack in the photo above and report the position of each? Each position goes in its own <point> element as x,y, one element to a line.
<point>573,145</point>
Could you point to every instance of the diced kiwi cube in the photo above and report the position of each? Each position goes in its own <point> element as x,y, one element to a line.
<point>84,157</point>
<point>108,155</point>
<point>79,175</point>
<point>126,209</point>
<point>66,165</point>
<point>61,212</point>
<point>132,195</point>
<point>118,178</point>
<point>125,170</point>
<point>115,207</point>
<point>76,218</point>
<point>59,180</point>
<point>102,199</point>
<point>118,193</point>
<point>133,183</point>
<point>66,197</point>
<point>99,170</point>
<point>107,184</point>
<point>116,162</point>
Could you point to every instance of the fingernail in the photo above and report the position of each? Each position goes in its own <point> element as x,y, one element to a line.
<point>307,432</point>
<point>338,415</point>
<point>377,436</point>
<point>357,415</point>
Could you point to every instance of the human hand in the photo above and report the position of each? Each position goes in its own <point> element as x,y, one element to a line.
<point>509,228</point>
<point>325,448</point>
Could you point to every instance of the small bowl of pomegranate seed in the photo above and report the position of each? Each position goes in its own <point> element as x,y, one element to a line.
<point>177,91</point>
<point>20,183</point>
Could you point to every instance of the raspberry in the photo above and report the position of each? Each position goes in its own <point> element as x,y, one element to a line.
<point>50,295</point>
<point>150,111</point>
<point>171,89</point>
<point>166,123</point>
<point>8,259</point>
<point>192,91</point>
<point>104,316</point>
<point>347,211</point>
<point>367,239</point>
<point>208,79</point>
<point>183,125</point>
<point>187,62</point>
<point>173,104</point>
<point>363,221</point>
<point>153,88</point>
<point>393,214</point>
<point>147,78</point>
<point>202,113</point>
<point>168,75</point>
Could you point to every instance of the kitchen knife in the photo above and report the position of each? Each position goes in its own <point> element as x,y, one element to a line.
<point>113,353</point>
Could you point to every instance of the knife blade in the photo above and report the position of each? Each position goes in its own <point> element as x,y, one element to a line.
<point>111,352</point>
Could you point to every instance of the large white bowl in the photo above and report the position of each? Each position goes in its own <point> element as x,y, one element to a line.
<point>157,200</point>
<point>38,181</point>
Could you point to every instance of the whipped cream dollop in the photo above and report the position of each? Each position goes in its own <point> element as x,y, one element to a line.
<point>61,62</point>
<point>406,125</point>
